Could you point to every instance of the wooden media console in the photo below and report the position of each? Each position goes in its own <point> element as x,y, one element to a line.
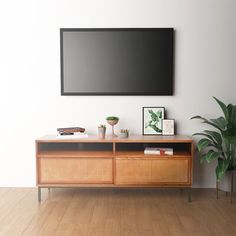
<point>113,162</point>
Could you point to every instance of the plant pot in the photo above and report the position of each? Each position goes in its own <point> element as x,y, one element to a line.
<point>112,122</point>
<point>101,132</point>
<point>225,183</point>
<point>124,135</point>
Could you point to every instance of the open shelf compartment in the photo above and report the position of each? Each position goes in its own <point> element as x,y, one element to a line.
<point>96,150</point>
<point>137,150</point>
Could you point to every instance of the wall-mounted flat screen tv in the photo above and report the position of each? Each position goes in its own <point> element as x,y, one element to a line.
<point>117,61</point>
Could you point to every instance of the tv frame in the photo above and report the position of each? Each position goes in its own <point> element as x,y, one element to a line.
<point>63,93</point>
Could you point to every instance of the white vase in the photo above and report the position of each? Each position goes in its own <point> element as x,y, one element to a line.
<point>101,132</point>
<point>124,135</point>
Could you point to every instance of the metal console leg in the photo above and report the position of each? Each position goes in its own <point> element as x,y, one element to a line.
<point>217,190</point>
<point>39,194</point>
<point>190,195</point>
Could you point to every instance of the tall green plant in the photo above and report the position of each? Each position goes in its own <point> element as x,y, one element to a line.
<point>220,143</point>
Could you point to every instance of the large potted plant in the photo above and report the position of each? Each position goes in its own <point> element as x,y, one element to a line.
<point>219,144</point>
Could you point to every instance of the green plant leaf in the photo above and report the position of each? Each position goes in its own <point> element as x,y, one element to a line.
<point>203,143</point>
<point>197,117</point>
<point>233,129</point>
<point>202,159</point>
<point>206,135</point>
<point>112,118</point>
<point>232,114</point>
<point>229,139</point>
<point>215,135</point>
<point>230,110</point>
<point>221,168</point>
<point>214,143</point>
<point>220,122</point>
<point>206,121</point>
<point>212,155</point>
<point>223,108</point>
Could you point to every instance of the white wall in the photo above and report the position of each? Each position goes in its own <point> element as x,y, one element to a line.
<point>30,100</point>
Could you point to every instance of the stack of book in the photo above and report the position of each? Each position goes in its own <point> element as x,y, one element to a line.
<point>158,151</point>
<point>71,132</point>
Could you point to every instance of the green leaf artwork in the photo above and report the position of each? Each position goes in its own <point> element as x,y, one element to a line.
<point>153,120</point>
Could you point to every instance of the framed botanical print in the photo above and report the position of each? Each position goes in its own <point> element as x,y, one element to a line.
<point>152,120</point>
<point>168,127</point>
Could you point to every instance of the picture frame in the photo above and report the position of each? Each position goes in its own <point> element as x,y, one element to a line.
<point>168,127</point>
<point>152,120</point>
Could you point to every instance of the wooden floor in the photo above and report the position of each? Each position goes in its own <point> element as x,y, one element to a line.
<point>108,212</point>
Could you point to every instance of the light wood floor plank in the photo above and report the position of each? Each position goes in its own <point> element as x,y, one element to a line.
<point>78,215</point>
<point>115,212</point>
<point>21,215</point>
<point>9,201</point>
<point>50,214</point>
<point>3,191</point>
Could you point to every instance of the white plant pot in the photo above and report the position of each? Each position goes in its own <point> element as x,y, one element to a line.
<point>225,183</point>
<point>124,135</point>
<point>101,132</point>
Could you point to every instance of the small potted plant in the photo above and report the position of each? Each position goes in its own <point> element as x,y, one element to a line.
<point>112,120</point>
<point>219,145</point>
<point>124,133</point>
<point>101,131</point>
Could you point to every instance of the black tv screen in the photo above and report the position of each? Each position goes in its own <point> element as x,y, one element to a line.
<point>128,61</point>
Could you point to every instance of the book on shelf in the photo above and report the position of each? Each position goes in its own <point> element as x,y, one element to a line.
<point>158,151</point>
<point>71,133</point>
<point>71,130</point>
<point>72,136</point>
